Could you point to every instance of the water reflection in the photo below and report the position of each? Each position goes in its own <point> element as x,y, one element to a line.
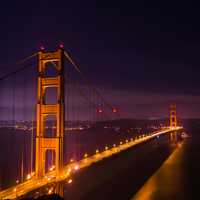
<point>167,182</point>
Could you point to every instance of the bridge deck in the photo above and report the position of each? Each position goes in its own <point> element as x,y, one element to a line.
<point>30,185</point>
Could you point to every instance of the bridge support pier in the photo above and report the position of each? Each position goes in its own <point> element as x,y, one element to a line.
<point>59,189</point>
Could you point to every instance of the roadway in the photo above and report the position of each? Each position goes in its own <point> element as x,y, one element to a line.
<point>71,168</point>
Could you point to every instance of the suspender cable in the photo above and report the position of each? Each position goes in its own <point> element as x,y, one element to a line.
<point>94,104</point>
<point>13,101</point>
<point>69,58</point>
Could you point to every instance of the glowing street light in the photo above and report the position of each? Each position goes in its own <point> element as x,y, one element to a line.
<point>32,174</point>
<point>69,181</point>
<point>50,191</point>
<point>28,177</point>
<point>52,168</point>
<point>97,151</point>
<point>69,170</point>
<point>85,155</point>
<point>76,167</point>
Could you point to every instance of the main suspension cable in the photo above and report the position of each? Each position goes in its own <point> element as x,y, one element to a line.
<point>22,61</point>
<point>69,58</point>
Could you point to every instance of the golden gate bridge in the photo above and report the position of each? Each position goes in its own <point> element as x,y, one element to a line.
<point>57,111</point>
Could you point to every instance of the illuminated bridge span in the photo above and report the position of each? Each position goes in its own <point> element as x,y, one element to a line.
<point>55,115</point>
<point>69,169</point>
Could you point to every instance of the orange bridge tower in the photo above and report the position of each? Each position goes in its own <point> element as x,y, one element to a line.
<point>54,142</point>
<point>173,116</point>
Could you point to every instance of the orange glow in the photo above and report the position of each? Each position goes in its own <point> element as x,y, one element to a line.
<point>69,170</point>
<point>48,178</point>
<point>33,174</point>
<point>52,168</point>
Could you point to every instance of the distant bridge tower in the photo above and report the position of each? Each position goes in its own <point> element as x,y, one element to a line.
<point>173,116</point>
<point>53,143</point>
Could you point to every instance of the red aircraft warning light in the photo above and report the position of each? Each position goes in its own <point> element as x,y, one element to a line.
<point>61,45</point>
<point>99,110</point>
<point>114,110</point>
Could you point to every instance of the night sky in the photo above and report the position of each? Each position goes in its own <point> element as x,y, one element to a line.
<point>142,55</point>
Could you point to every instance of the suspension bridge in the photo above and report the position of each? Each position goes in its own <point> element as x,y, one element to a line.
<point>54,110</point>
